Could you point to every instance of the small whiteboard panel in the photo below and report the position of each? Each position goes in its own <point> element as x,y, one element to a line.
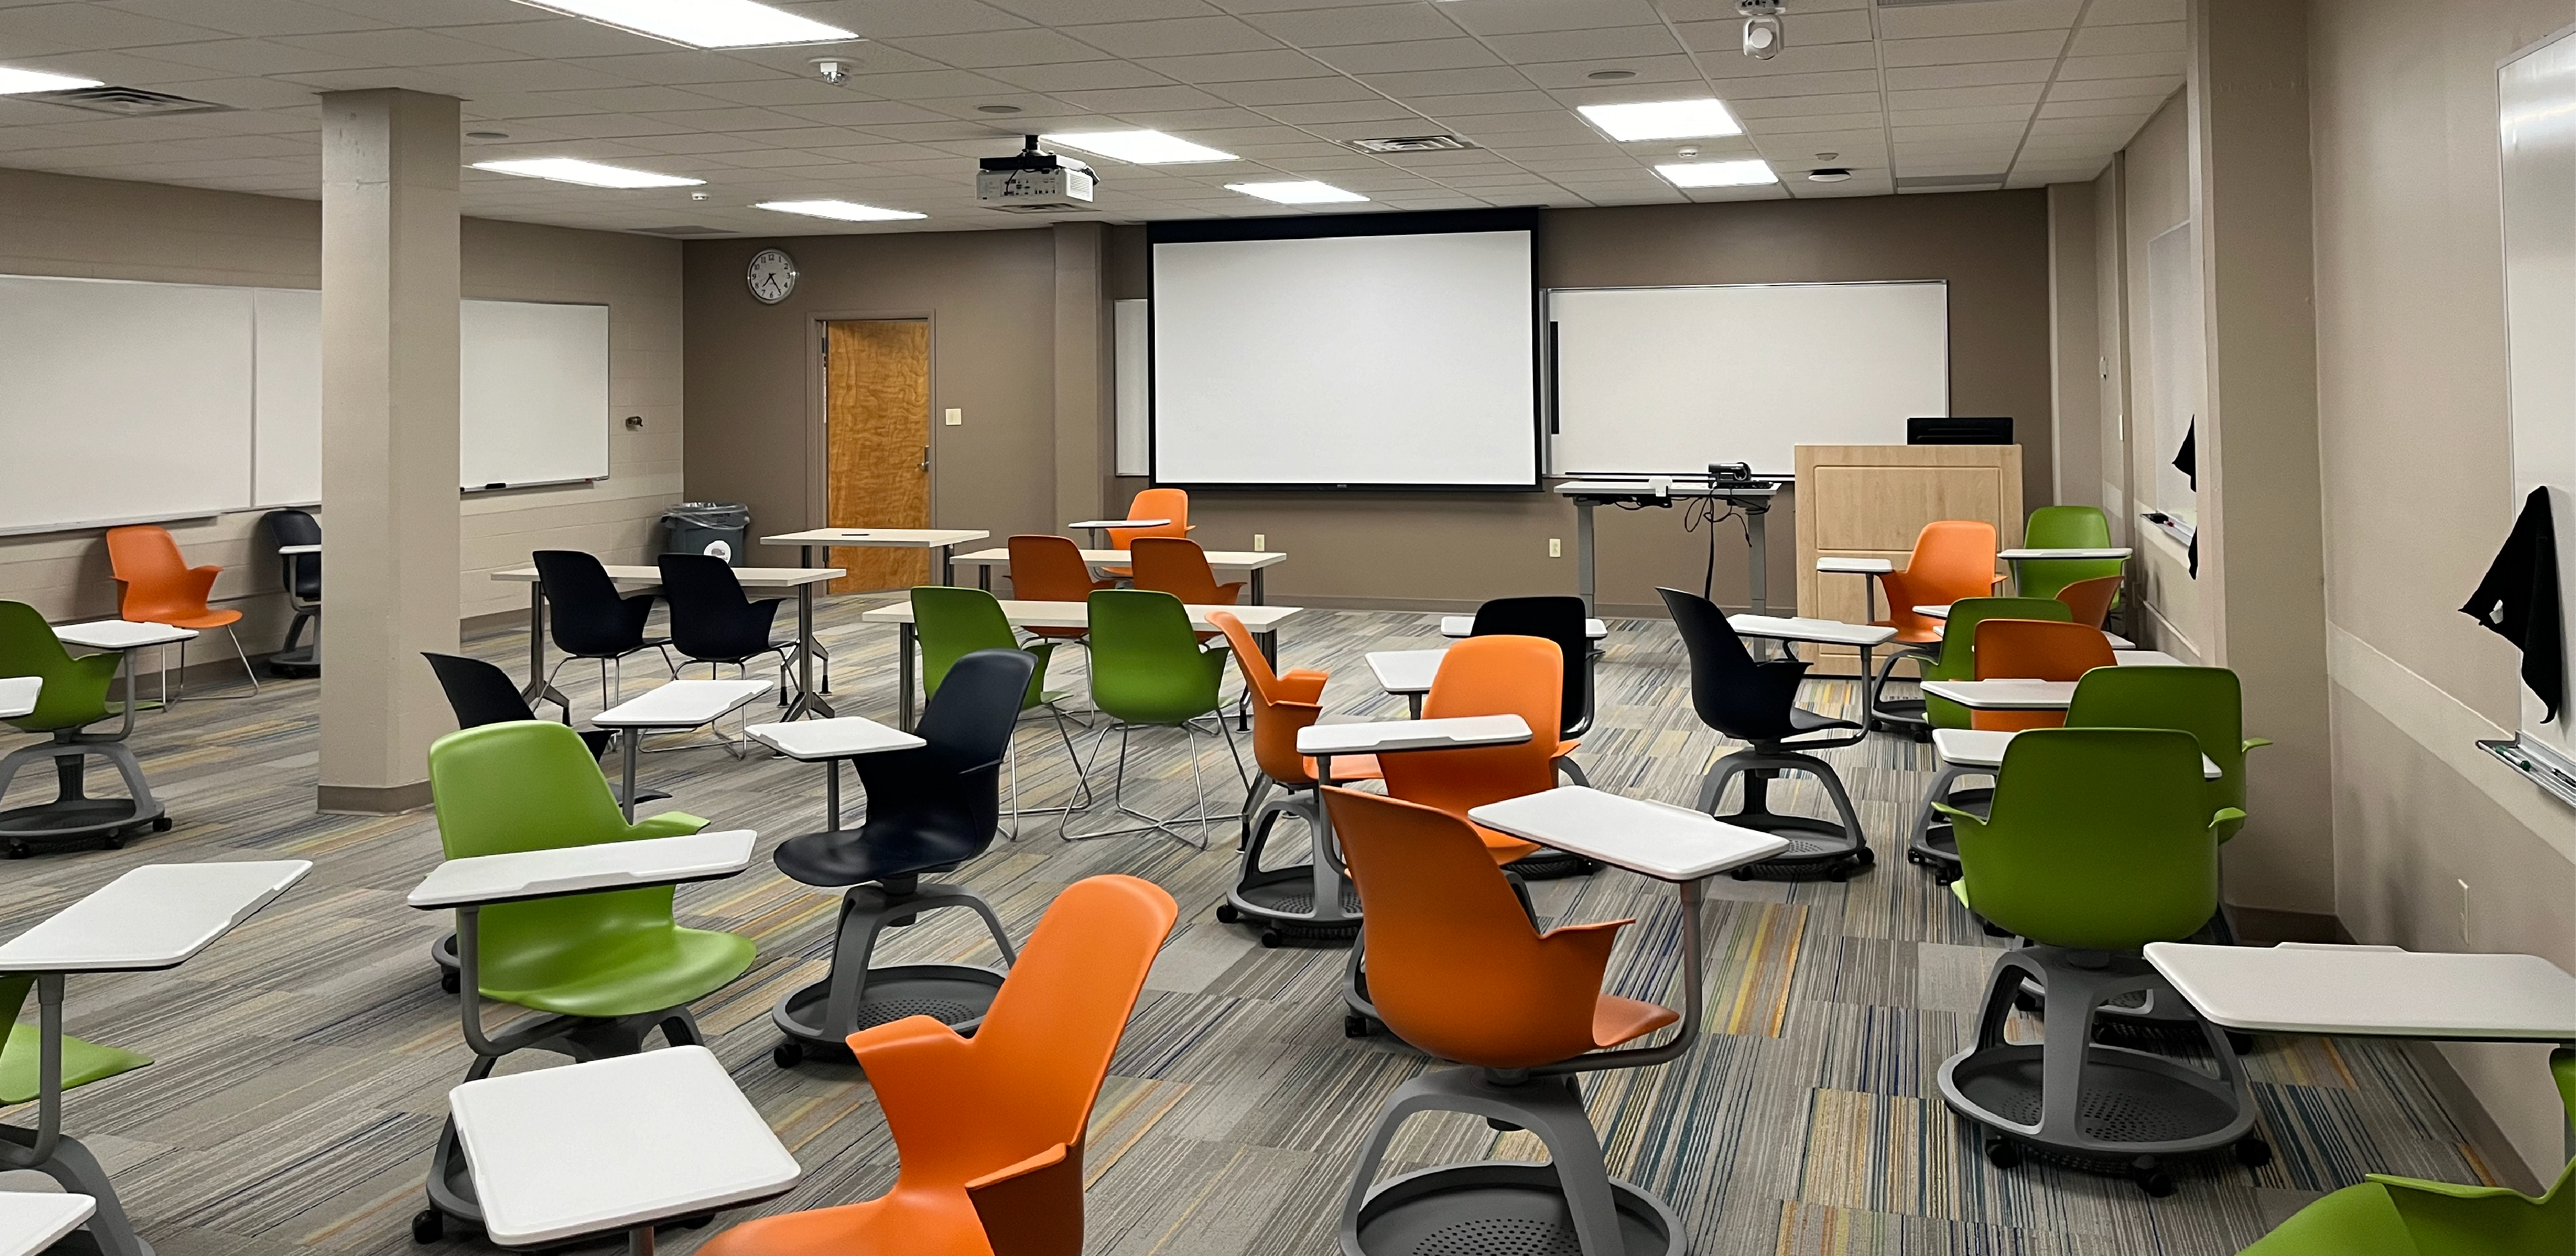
<point>1669,380</point>
<point>286,467</point>
<point>1135,389</point>
<point>533,391</point>
<point>2537,130</point>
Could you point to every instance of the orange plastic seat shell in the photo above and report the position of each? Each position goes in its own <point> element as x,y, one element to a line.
<point>1176,565</point>
<point>1046,568</point>
<point>1282,705</point>
<point>1153,503</point>
<point>2035,649</point>
<point>160,586</point>
<point>1952,559</point>
<point>1497,675</point>
<point>2090,600</point>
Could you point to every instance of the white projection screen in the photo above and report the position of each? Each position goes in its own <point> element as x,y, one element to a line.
<point>1346,361</point>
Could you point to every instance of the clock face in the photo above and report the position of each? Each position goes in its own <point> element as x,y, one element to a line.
<point>772,276</point>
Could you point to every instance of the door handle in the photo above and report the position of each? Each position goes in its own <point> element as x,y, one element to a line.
<point>925,457</point>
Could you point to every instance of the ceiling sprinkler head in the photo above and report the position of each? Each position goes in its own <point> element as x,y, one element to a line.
<point>834,70</point>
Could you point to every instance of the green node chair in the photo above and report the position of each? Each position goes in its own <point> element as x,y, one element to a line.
<point>74,697</point>
<point>1958,657</point>
<point>608,967</point>
<point>2063,527</point>
<point>950,624</point>
<point>2100,842</point>
<point>2396,1216</point>
<point>1148,670</point>
<point>45,1150</point>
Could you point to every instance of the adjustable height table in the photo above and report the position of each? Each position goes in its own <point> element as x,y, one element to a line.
<point>1753,500</point>
<point>943,540</point>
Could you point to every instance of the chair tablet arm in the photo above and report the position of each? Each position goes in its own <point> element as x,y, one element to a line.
<point>1033,1208</point>
<point>2225,814</point>
<point>667,824</point>
<point>1578,955</point>
<point>2252,742</point>
<point>526,876</point>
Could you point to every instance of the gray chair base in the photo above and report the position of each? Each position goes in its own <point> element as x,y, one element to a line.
<point>1570,1203</point>
<point>1898,715</point>
<point>73,817</point>
<point>820,1017</point>
<point>1931,844</point>
<point>1282,900</point>
<point>1168,826</point>
<point>78,1171</point>
<point>2099,1107</point>
<point>1833,849</point>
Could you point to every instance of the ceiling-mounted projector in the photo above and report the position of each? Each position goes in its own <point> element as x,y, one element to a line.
<point>1034,182</point>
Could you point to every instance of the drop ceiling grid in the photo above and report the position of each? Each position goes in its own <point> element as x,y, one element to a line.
<point>2035,89</point>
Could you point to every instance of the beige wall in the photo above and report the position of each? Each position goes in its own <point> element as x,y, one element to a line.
<point>107,229</point>
<point>2156,197</point>
<point>2074,342</point>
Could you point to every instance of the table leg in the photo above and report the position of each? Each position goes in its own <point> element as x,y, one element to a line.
<point>903,676</point>
<point>1327,876</point>
<point>538,689</point>
<point>1583,551</point>
<point>808,702</point>
<point>1757,560</point>
<point>639,1241</point>
<point>628,746</point>
<point>948,565</point>
<point>1256,587</point>
<point>1414,702</point>
<point>832,791</point>
<point>984,577</point>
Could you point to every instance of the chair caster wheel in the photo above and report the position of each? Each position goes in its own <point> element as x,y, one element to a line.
<point>115,841</point>
<point>2253,1152</point>
<point>1944,876</point>
<point>1744,874</point>
<point>2002,1153</point>
<point>2151,1177</point>
<point>427,1226</point>
<point>450,981</point>
<point>1226,914</point>
<point>787,1054</point>
<point>1865,857</point>
<point>1272,938</point>
<point>17,850</point>
<point>1839,875</point>
<point>2241,1044</point>
<point>1355,1025</point>
<point>160,824</point>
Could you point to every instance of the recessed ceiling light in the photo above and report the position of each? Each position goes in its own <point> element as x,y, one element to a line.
<point>845,211</point>
<point>1663,119</point>
<point>487,135</point>
<point>701,23</point>
<point>1144,148</point>
<point>997,108</point>
<point>575,170</point>
<point>1607,75</point>
<point>1718,174</point>
<point>1297,192</point>
<point>14,81</point>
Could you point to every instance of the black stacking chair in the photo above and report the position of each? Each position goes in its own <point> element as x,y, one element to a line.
<point>712,621</point>
<point>591,620</point>
<point>1558,619</point>
<point>930,809</point>
<point>302,576</point>
<point>1758,702</point>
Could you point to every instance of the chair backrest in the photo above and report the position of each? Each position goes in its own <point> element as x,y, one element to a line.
<point>1729,691</point>
<point>948,793</point>
<point>951,623</point>
<point>1485,676</point>
<point>1454,965</point>
<point>2064,527</point>
<point>1559,618</point>
<point>157,585</point>
<point>1281,705</point>
<point>2034,649</point>
<point>583,608</point>
<point>2099,839</point>
<point>304,571</point>
<point>75,691</point>
<point>1958,657</point>
<point>1049,569</point>
<point>1145,663</point>
<point>1176,565</point>
<point>1154,503</point>
<point>2206,702</point>
<point>479,692</point>
<point>2089,601</point>
<point>710,616</point>
<point>1952,559</point>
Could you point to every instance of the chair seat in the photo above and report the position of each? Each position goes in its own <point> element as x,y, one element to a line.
<point>1503,846</point>
<point>83,1063</point>
<point>915,1221</point>
<point>1802,721</point>
<point>641,644</point>
<point>1346,768</point>
<point>211,619</point>
<point>644,974</point>
<point>855,857</point>
<point>1616,1020</point>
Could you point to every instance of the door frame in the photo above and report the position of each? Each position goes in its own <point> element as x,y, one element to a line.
<point>818,418</point>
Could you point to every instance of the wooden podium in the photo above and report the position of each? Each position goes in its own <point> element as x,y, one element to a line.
<point>1869,501</point>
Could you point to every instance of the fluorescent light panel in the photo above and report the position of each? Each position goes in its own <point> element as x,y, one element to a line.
<point>1297,192</point>
<point>589,173</point>
<point>1718,174</point>
<point>846,211</point>
<point>1143,148</point>
<point>702,23</point>
<point>1663,119</point>
<point>14,81</point>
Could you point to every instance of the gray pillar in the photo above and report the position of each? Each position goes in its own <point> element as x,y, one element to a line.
<point>1084,426</point>
<point>389,399</point>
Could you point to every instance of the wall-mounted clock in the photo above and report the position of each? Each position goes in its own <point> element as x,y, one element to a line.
<point>771,276</point>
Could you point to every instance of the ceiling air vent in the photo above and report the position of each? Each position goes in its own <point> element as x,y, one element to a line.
<point>1411,144</point>
<point>130,102</point>
<point>1948,182</point>
<point>688,230</point>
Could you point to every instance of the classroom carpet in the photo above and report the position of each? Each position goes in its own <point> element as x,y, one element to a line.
<point>303,1062</point>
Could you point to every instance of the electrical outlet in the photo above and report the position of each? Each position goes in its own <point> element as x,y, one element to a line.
<point>1555,547</point>
<point>955,417</point>
<point>1260,543</point>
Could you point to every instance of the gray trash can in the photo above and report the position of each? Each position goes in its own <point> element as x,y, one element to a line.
<point>694,527</point>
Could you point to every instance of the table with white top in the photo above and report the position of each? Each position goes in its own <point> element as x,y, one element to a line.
<point>828,742</point>
<point>2005,695</point>
<point>1465,626</point>
<point>1942,611</point>
<point>1250,563</point>
<point>824,540</point>
<point>1262,621</point>
<point>521,875</point>
<point>126,636</point>
<point>18,695</point>
<point>803,580</point>
<point>1102,526</point>
<point>1751,500</point>
<point>1792,628</point>
<point>154,917</point>
<point>1984,748</point>
<point>1407,672</point>
<point>672,707</point>
<point>624,1143</point>
<point>31,1221</point>
<point>2044,552</point>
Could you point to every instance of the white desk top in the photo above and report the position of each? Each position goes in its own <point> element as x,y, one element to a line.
<point>907,538</point>
<point>1653,839</point>
<point>615,1143</point>
<point>581,869</point>
<point>1856,566</point>
<point>1984,748</point>
<point>1406,671</point>
<point>1221,560</point>
<point>120,634</point>
<point>2005,695</point>
<point>18,695</point>
<point>30,1221</point>
<point>155,916</point>
<point>748,577</point>
<point>299,549</point>
<point>1120,523</point>
<point>2107,551</point>
<point>1465,626</point>
<point>682,704</point>
<point>1942,611</point>
<point>1694,486</point>
<point>1394,736</point>
<point>2306,988</point>
<point>813,741</point>
<point>1824,631</point>
<point>2144,658</point>
<point>1078,615</point>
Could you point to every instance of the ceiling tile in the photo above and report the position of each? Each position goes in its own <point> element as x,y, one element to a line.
<point>1067,12</point>
<point>1324,28</point>
<point>1601,44</point>
<point>1990,17</point>
<point>1408,56</point>
<point>1240,67</point>
<point>1678,68</point>
<point>2112,41</point>
<point>2113,12</point>
<point>2135,65</point>
<point>1174,37</point>
<point>1792,106</point>
<point>1314,91</point>
<point>2159,86</point>
<point>1077,76</point>
<point>2023,94</point>
<point>1032,46</point>
<point>1983,74</point>
<point>1969,48</point>
<point>1447,82</point>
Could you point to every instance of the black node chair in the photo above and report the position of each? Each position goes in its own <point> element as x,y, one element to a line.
<point>930,809</point>
<point>1758,702</point>
<point>591,620</point>
<point>301,574</point>
<point>1561,619</point>
<point>713,622</point>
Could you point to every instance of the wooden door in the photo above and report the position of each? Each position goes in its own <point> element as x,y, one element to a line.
<point>876,436</point>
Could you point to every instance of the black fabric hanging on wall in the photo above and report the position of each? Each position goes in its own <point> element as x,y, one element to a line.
<point>2518,601</point>
<point>2187,461</point>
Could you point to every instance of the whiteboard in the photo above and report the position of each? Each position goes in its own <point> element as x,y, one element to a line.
<point>1669,380</point>
<point>286,422</point>
<point>2537,132</point>
<point>533,393</point>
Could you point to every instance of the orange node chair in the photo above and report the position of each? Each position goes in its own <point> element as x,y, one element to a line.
<point>1285,900</point>
<point>1169,504</point>
<point>2035,649</point>
<point>989,1129</point>
<point>1048,568</point>
<point>161,588</point>
<point>1463,974</point>
<point>2090,600</point>
<point>1176,565</point>
<point>1952,559</point>
<point>1499,675</point>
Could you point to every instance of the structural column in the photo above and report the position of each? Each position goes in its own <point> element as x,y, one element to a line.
<point>389,458</point>
<point>1084,370</point>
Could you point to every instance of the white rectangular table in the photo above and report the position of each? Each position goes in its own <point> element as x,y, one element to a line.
<point>1984,748</point>
<point>2005,695</point>
<point>943,540</point>
<point>828,742</point>
<point>1261,621</point>
<point>1465,626</point>
<point>18,695</point>
<point>803,580</point>
<point>1325,742</point>
<point>555,872</point>
<point>31,1221</point>
<point>1250,562</point>
<point>1102,526</point>
<point>1407,672</point>
<point>2079,552</point>
<point>671,707</point>
<point>1790,628</point>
